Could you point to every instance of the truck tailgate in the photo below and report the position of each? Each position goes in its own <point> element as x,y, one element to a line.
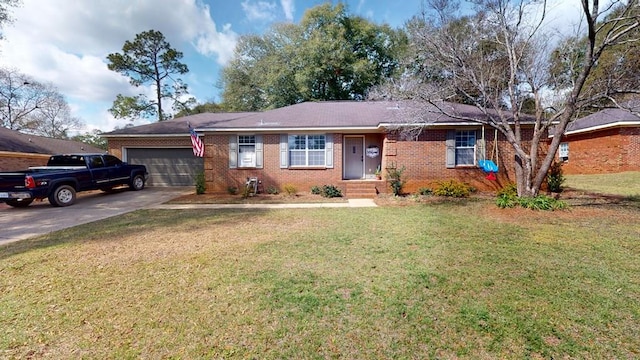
<point>10,182</point>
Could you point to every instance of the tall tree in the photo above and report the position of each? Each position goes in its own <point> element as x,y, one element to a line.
<point>32,107</point>
<point>149,59</point>
<point>330,55</point>
<point>498,61</point>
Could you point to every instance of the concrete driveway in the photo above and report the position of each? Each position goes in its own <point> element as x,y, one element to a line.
<point>40,218</point>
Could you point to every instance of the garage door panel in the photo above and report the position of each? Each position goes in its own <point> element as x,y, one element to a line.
<point>168,167</point>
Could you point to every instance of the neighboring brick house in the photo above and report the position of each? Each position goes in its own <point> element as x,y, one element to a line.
<point>605,142</point>
<point>337,143</point>
<point>19,151</point>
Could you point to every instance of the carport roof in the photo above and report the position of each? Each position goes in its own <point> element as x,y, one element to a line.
<point>325,115</point>
<point>14,141</point>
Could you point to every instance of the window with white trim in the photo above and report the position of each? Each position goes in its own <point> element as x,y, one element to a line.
<point>307,150</point>
<point>247,150</point>
<point>563,151</point>
<point>465,147</point>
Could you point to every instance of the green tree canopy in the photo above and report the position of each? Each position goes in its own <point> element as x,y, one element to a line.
<point>149,59</point>
<point>330,55</point>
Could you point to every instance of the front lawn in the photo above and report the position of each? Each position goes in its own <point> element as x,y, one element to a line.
<point>624,184</point>
<point>443,280</point>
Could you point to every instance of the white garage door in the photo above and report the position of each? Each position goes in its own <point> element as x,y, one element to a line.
<point>168,167</point>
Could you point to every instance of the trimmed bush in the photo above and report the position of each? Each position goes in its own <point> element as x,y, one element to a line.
<point>452,188</point>
<point>330,191</point>
<point>289,189</point>
<point>315,190</point>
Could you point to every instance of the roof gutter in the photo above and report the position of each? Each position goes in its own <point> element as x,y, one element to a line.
<point>601,127</point>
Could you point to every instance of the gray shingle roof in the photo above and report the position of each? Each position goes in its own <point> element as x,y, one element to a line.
<point>603,119</point>
<point>329,115</point>
<point>14,141</point>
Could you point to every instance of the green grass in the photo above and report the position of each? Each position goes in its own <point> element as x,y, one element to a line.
<point>624,184</point>
<point>463,280</point>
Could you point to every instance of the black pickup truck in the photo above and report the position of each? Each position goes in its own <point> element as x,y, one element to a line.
<point>65,175</point>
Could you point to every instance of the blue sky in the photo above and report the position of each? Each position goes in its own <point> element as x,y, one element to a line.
<point>65,42</point>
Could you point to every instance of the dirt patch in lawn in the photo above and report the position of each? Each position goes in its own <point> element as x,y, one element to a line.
<point>303,197</point>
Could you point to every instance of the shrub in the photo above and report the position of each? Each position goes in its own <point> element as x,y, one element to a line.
<point>330,191</point>
<point>315,190</point>
<point>555,177</point>
<point>425,191</point>
<point>272,190</point>
<point>508,198</point>
<point>201,186</point>
<point>394,177</point>
<point>289,189</point>
<point>232,190</point>
<point>542,202</point>
<point>452,188</point>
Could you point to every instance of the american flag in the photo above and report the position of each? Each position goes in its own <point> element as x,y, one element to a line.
<point>198,145</point>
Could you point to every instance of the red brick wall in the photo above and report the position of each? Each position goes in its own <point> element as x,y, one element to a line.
<point>424,162</point>
<point>220,177</point>
<point>607,151</point>
<point>10,161</point>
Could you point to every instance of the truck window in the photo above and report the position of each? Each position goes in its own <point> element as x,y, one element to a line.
<point>66,160</point>
<point>112,160</point>
<point>96,162</point>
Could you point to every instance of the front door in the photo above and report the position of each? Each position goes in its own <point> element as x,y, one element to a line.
<point>353,157</point>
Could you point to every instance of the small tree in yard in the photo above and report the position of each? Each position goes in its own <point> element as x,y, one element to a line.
<point>497,59</point>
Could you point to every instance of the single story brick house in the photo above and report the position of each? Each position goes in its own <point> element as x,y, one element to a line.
<point>604,142</point>
<point>19,151</point>
<point>339,143</point>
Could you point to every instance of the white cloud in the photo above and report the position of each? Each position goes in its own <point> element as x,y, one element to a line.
<point>65,42</point>
<point>259,10</point>
<point>289,8</point>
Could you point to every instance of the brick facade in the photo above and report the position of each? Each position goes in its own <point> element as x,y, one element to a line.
<point>611,150</point>
<point>424,161</point>
<point>12,161</point>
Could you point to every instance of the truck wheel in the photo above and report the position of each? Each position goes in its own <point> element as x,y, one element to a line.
<point>19,203</point>
<point>63,195</point>
<point>137,183</point>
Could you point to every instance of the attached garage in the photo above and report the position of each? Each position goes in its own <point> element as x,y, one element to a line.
<point>167,166</point>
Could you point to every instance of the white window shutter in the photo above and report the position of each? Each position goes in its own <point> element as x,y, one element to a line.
<point>233,151</point>
<point>284,151</point>
<point>451,149</point>
<point>481,149</point>
<point>259,152</point>
<point>328,146</point>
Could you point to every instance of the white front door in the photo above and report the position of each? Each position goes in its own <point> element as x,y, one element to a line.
<point>353,157</point>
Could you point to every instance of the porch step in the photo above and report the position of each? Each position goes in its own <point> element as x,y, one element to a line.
<point>362,189</point>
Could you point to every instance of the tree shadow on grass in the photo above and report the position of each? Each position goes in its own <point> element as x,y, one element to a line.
<point>137,222</point>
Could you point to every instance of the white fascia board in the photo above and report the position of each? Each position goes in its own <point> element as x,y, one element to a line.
<point>292,129</point>
<point>602,127</point>
<point>441,124</point>
<point>186,134</point>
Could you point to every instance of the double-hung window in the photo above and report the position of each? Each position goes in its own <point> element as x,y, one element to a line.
<point>307,150</point>
<point>465,147</point>
<point>247,150</point>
